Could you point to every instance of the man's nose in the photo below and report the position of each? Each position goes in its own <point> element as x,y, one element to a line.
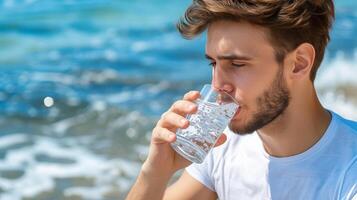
<point>220,80</point>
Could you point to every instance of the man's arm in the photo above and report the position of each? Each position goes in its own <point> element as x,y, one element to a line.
<point>154,188</point>
<point>148,186</point>
<point>188,187</point>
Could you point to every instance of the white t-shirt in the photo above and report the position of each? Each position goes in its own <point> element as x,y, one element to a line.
<point>241,169</point>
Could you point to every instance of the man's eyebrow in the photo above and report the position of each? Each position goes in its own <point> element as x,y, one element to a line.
<point>229,57</point>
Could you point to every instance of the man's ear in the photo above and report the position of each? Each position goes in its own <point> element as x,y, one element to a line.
<point>304,56</point>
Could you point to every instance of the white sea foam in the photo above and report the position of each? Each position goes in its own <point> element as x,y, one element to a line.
<point>39,176</point>
<point>340,105</point>
<point>140,46</point>
<point>13,139</point>
<point>338,72</point>
<point>53,77</point>
<point>62,126</point>
<point>87,192</point>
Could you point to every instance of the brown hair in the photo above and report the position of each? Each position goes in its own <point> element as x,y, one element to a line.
<point>290,22</point>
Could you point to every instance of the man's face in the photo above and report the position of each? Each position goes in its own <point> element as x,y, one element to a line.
<point>245,66</point>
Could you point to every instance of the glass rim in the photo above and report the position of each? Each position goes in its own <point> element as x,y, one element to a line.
<point>220,91</point>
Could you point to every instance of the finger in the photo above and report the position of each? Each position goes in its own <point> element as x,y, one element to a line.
<point>184,107</point>
<point>163,135</point>
<point>173,120</point>
<point>221,140</point>
<point>191,96</point>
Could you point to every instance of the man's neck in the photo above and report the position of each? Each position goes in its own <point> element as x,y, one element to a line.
<point>300,127</point>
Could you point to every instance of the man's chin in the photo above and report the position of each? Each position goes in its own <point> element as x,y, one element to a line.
<point>239,129</point>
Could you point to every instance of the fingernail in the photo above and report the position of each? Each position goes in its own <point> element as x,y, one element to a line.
<point>183,121</point>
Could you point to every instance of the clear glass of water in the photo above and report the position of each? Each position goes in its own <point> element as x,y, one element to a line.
<point>215,110</point>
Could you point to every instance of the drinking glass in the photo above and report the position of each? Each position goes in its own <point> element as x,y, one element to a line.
<point>215,110</point>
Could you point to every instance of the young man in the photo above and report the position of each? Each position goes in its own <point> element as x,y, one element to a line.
<point>282,144</point>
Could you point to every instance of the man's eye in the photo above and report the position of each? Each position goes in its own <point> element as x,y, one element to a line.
<point>213,64</point>
<point>237,65</point>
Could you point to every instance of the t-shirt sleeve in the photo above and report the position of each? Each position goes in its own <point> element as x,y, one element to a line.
<point>202,172</point>
<point>348,187</point>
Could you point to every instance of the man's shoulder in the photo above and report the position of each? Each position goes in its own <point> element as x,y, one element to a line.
<point>346,137</point>
<point>348,126</point>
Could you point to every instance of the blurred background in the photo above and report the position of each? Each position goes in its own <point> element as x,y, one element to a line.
<point>82,83</point>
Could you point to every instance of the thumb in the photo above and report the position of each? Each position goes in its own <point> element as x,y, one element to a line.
<point>221,140</point>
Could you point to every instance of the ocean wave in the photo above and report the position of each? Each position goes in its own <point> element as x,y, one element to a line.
<point>337,84</point>
<point>42,176</point>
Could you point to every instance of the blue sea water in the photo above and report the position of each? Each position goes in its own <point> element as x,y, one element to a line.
<point>111,68</point>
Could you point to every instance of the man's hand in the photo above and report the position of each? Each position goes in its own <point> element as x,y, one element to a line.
<point>162,161</point>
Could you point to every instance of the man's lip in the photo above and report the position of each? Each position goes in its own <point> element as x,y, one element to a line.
<point>237,113</point>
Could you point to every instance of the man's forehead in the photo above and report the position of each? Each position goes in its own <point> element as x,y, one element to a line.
<point>228,37</point>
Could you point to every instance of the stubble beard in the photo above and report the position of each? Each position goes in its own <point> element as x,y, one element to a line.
<point>271,104</point>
